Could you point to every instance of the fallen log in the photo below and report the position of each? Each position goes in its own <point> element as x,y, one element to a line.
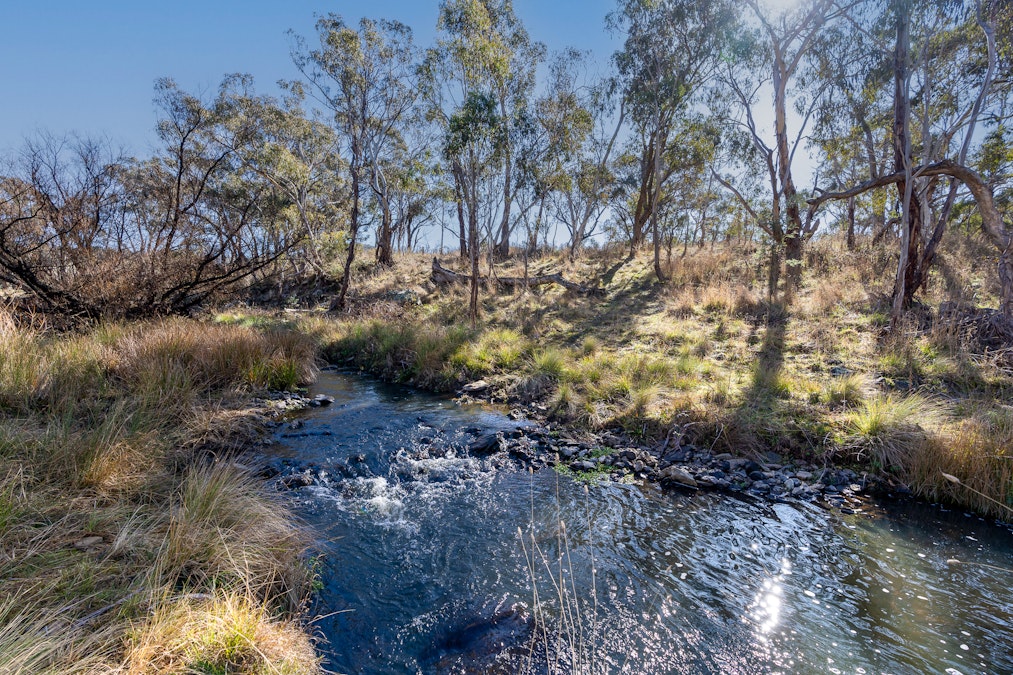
<point>442,276</point>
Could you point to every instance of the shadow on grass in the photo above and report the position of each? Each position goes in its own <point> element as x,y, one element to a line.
<point>767,418</point>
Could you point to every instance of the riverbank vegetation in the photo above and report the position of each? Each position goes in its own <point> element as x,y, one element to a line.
<point>132,539</point>
<point>708,359</point>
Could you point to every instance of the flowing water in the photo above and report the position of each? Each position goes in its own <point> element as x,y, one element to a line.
<point>430,563</point>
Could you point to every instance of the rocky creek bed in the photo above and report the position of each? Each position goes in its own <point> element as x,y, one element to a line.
<point>427,512</point>
<point>609,456</point>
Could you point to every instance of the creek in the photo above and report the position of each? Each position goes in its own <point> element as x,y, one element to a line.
<point>430,562</point>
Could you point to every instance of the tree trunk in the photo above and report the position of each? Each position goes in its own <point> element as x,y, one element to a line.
<point>384,250</point>
<point>774,273</point>
<point>655,234</point>
<point>793,259</point>
<point>851,224</point>
<point>459,199</point>
<point>793,227</point>
<point>503,247</point>
<point>644,206</point>
<point>353,233</point>
<point>902,153</point>
<point>473,242</point>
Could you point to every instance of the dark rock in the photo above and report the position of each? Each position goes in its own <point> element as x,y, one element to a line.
<point>677,456</point>
<point>583,465</point>
<point>486,445</point>
<point>296,480</point>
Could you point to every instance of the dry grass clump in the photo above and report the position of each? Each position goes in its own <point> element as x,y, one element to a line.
<point>728,299</point>
<point>220,633</point>
<point>846,392</point>
<point>710,266</point>
<point>978,453</point>
<point>223,528</point>
<point>177,356</point>
<point>25,369</point>
<point>31,643</point>
<point>889,431</point>
<point>106,508</point>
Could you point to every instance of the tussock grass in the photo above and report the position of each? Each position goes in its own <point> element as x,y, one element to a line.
<point>222,633</point>
<point>891,431</point>
<point>25,369</point>
<point>111,515</point>
<point>171,356</point>
<point>978,451</point>
<point>419,354</point>
<point>846,392</point>
<point>222,528</point>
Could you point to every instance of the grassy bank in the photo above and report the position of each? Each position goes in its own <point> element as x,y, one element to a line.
<point>130,541</point>
<point>709,356</point>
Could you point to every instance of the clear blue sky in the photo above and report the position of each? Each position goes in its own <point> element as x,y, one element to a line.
<point>89,65</point>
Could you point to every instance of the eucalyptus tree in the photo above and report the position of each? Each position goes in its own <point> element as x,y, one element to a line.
<point>853,120</point>
<point>671,48</point>
<point>949,54</point>
<point>580,120</point>
<point>296,153</point>
<point>769,55</point>
<point>512,84</point>
<point>473,89</point>
<point>364,77</point>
